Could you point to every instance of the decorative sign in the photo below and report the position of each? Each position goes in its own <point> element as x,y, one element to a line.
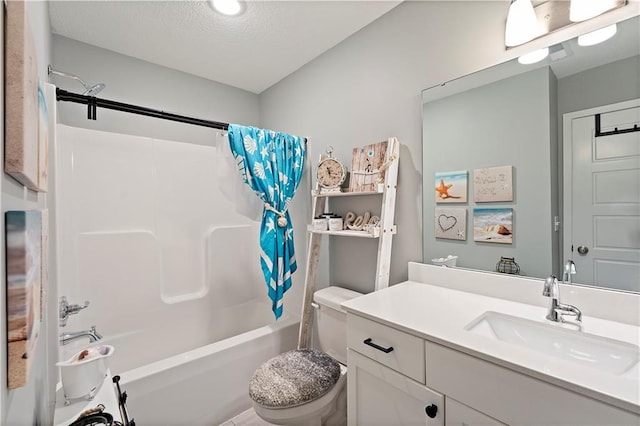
<point>26,150</point>
<point>23,253</point>
<point>451,187</point>
<point>493,225</point>
<point>366,167</point>
<point>451,223</point>
<point>493,184</point>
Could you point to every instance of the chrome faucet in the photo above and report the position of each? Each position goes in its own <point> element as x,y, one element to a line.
<point>92,334</point>
<point>556,309</point>
<point>569,269</point>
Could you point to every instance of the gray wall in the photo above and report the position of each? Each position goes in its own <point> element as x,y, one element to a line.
<point>33,403</point>
<point>367,89</point>
<point>607,84</point>
<point>504,123</point>
<point>138,82</point>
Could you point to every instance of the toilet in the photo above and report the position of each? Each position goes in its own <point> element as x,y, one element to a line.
<point>307,386</point>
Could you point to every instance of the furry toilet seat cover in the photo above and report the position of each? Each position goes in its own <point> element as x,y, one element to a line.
<point>294,378</point>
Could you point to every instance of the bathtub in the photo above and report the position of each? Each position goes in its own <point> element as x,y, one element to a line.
<point>206,385</point>
<point>171,270</point>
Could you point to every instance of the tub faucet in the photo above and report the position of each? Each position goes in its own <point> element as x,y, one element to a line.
<point>92,334</point>
<point>556,309</point>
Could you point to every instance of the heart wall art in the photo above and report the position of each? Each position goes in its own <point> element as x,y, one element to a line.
<point>451,223</point>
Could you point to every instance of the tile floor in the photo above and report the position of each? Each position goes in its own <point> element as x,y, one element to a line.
<point>246,418</point>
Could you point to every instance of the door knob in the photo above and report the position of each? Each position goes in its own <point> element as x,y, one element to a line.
<point>431,410</point>
<point>583,250</point>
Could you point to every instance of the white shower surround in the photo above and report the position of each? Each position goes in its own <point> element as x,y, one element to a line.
<point>171,271</point>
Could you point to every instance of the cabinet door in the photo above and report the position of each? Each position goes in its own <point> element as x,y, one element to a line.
<point>461,415</point>
<point>378,395</point>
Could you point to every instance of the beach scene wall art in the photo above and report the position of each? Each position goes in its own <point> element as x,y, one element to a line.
<point>493,225</point>
<point>493,184</point>
<point>451,187</point>
<point>23,254</point>
<point>26,133</point>
<point>451,223</point>
<point>366,164</point>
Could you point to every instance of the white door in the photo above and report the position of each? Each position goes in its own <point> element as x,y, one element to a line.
<point>602,195</point>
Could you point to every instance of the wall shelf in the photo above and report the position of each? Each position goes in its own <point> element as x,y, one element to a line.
<point>316,193</point>
<point>351,233</point>
<point>386,231</point>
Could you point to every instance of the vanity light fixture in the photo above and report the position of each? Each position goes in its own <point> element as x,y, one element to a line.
<point>581,10</point>
<point>597,36</point>
<point>533,57</point>
<point>521,23</point>
<point>227,7</point>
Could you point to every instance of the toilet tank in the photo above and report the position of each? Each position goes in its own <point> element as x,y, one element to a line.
<point>331,320</point>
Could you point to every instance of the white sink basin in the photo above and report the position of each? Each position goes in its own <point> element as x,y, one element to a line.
<point>605,354</point>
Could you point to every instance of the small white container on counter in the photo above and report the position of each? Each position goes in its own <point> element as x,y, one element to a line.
<point>84,372</point>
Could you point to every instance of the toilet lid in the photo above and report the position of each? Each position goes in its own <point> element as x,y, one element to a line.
<point>294,378</point>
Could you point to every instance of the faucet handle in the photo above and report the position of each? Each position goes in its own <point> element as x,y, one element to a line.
<point>550,288</point>
<point>66,309</point>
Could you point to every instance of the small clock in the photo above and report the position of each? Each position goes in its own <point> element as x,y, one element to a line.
<point>331,173</point>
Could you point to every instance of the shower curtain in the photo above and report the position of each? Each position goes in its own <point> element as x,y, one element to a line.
<point>271,163</point>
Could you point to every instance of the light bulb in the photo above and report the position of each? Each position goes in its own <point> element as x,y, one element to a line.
<point>597,36</point>
<point>581,10</point>
<point>522,23</point>
<point>227,7</point>
<point>533,57</point>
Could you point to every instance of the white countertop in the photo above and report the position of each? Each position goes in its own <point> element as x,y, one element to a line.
<point>440,314</point>
<point>106,395</point>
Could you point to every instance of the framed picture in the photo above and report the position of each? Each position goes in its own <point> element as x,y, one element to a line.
<point>451,223</point>
<point>451,187</point>
<point>26,135</point>
<point>493,184</point>
<point>493,225</point>
<point>24,262</point>
<point>366,163</point>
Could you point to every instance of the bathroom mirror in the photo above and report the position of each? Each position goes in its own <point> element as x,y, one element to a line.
<point>497,137</point>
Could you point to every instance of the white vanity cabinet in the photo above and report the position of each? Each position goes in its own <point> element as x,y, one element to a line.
<point>511,397</point>
<point>385,383</point>
<point>397,378</point>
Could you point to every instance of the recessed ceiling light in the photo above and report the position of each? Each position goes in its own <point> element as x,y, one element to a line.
<point>597,36</point>
<point>227,7</point>
<point>533,57</point>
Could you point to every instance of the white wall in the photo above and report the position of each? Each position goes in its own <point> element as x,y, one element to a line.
<point>33,403</point>
<point>368,88</point>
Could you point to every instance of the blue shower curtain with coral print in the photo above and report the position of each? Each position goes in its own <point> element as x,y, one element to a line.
<point>271,163</point>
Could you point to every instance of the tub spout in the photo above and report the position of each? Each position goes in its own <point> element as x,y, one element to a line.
<point>92,334</point>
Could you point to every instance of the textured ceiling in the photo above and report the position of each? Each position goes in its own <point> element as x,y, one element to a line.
<point>269,41</point>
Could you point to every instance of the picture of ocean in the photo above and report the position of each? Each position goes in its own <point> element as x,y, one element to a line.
<point>493,225</point>
<point>451,187</point>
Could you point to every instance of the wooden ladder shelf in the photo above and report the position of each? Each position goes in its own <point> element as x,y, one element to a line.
<point>387,229</point>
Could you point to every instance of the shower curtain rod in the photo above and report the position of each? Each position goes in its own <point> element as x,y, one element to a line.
<point>93,103</point>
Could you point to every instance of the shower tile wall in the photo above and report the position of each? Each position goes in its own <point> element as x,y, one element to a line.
<point>149,238</point>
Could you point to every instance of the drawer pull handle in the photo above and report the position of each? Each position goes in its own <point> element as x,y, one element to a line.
<point>431,410</point>
<point>378,347</point>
